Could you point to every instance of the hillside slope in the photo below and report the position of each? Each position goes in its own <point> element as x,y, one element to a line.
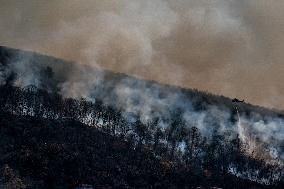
<point>43,153</point>
<point>148,100</point>
<point>199,137</point>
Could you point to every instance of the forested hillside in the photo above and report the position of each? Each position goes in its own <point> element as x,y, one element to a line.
<point>126,132</point>
<point>45,144</point>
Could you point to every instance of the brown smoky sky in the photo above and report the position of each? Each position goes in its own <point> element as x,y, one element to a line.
<point>229,47</point>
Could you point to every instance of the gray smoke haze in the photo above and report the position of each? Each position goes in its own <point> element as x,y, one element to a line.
<point>228,47</point>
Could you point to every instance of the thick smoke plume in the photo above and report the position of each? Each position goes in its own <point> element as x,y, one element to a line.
<point>231,47</point>
<point>220,46</point>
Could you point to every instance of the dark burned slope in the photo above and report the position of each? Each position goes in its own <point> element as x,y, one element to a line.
<point>200,99</point>
<point>41,153</point>
<point>60,154</point>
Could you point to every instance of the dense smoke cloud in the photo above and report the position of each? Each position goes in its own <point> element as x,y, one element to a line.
<point>231,47</point>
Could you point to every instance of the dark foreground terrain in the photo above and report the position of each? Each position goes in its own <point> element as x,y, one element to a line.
<point>41,153</point>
